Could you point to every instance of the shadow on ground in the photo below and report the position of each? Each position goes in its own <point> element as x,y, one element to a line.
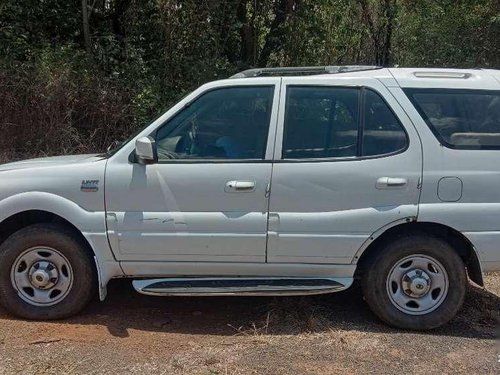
<point>124,309</point>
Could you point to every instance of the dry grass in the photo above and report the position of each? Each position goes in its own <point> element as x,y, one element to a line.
<point>289,316</point>
<point>60,111</point>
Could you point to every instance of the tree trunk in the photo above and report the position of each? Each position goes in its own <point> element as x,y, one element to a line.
<point>273,40</point>
<point>380,25</point>
<point>246,34</point>
<point>387,48</point>
<point>86,27</point>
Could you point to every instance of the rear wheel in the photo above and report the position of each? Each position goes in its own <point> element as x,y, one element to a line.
<point>415,282</point>
<point>45,273</point>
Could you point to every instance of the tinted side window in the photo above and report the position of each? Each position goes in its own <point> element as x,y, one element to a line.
<point>466,119</point>
<point>320,122</point>
<point>227,123</point>
<point>324,122</point>
<point>382,133</point>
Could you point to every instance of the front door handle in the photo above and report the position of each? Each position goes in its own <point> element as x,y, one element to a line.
<point>239,186</point>
<point>391,182</point>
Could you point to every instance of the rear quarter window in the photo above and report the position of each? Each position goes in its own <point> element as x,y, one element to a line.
<point>461,119</point>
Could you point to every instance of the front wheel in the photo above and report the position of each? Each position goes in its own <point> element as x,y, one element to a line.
<point>415,282</point>
<point>45,273</point>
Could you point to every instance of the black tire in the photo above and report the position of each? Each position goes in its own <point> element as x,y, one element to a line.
<point>380,265</point>
<point>63,240</point>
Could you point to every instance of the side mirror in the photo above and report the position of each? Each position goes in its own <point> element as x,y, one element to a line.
<point>145,150</point>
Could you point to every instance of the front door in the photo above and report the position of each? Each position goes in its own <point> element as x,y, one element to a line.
<point>206,199</point>
<point>348,163</point>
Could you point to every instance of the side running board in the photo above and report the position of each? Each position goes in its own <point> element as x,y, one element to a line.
<point>234,286</point>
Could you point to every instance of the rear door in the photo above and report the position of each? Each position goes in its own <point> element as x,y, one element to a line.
<point>347,163</point>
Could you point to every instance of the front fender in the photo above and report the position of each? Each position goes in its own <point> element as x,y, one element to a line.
<point>85,221</point>
<point>90,223</point>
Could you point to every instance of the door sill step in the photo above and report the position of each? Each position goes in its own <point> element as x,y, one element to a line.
<point>240,286</point>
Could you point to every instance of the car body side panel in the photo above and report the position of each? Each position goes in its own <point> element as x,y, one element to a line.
<point>476,212</point>
<point>487,248</point>
<point>330,222</point>
<point>180,212</point>
<point>152,269</point>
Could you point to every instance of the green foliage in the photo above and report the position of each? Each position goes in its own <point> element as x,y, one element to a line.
<point>59,95</point>
<point>449,33</point>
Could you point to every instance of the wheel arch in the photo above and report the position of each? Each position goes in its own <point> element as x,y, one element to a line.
<point>28,208</point>
<point>26,218</point>
<point>458,241</point>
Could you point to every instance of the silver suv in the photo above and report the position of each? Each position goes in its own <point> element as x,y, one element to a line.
<point>285,181</point>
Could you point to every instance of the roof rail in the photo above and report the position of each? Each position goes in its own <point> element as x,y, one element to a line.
<point>304,70</point>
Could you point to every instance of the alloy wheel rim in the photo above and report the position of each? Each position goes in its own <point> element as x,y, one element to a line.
<point>42,276</point>
<point>417,284</point>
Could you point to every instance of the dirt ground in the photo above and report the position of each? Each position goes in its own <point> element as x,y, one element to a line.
<point>131,333</point>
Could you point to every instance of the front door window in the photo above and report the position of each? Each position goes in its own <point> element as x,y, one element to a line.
<point>227,123</point>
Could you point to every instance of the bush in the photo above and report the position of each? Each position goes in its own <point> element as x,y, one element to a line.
<point>60,104</point>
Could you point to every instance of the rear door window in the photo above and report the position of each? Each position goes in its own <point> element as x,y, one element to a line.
<point>338,122</point>
<point>321,122</point>
<point>382,132</point>
<point>462,119</point>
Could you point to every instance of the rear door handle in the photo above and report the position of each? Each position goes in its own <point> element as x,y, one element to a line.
<point>391,182</point>
<point>239,186</point>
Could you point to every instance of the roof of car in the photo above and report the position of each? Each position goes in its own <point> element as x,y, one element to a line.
<point>403,77</point>
<point>303,70</point>
<point>447,78</point>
